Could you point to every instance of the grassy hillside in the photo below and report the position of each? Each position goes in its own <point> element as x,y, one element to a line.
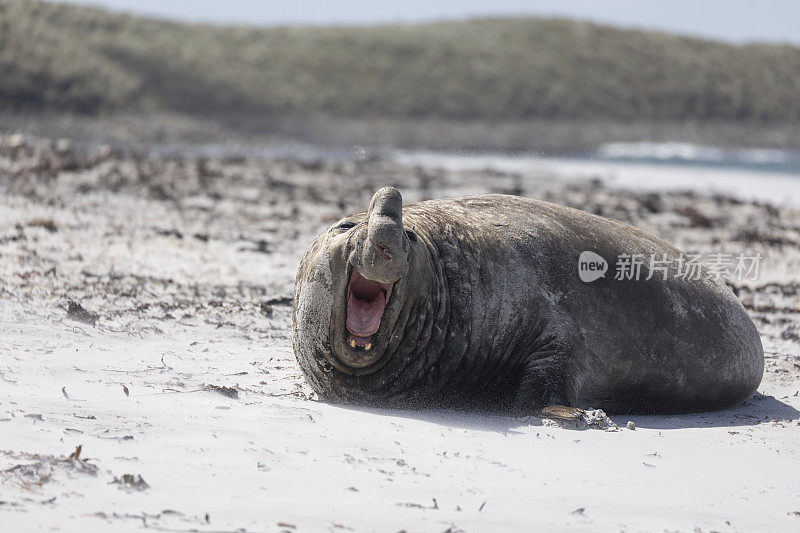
<point>63,57</point>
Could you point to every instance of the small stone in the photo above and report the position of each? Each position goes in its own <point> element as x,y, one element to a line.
<point>630,425</point>
<point>596,418</point>
<point>77,312</point>
<point>130,482</point>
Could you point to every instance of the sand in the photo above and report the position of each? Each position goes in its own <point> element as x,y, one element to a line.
<point>174,371</point>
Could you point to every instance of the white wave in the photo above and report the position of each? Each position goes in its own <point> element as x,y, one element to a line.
<point>697,153</point>
<point>780,187</point>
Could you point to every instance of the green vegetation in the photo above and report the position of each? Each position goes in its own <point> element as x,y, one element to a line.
<point>78,59</point>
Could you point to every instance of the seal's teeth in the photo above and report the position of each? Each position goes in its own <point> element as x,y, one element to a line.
<point>368,347</point>
<point>352,343</point>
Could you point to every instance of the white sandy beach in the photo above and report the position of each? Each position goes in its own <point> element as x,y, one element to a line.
<point>270,458</point>
<point>188,380</point>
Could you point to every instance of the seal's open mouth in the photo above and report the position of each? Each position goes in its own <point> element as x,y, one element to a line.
<point>366,302</point>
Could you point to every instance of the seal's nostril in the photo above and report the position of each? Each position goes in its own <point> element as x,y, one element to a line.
<point>382,248</point>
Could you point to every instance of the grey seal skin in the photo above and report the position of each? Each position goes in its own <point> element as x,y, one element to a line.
<point>477,301</point>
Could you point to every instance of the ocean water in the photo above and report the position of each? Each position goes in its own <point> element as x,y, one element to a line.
<point>676,153</point>
<point>751,174</point>
<point>643,153</point>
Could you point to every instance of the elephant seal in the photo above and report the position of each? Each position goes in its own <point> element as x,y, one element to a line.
<point>477,301</point>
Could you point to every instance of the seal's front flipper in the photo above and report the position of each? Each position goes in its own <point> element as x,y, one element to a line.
<point>545,387</point>
<point>561,412</point>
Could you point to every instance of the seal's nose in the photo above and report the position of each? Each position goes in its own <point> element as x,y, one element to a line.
<point>384,256</point>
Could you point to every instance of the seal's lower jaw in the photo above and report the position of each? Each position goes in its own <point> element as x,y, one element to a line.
<point>366,303</point>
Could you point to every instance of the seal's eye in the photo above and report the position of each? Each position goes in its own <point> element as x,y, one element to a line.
<point>346,225</point>
<point>411,236</point>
